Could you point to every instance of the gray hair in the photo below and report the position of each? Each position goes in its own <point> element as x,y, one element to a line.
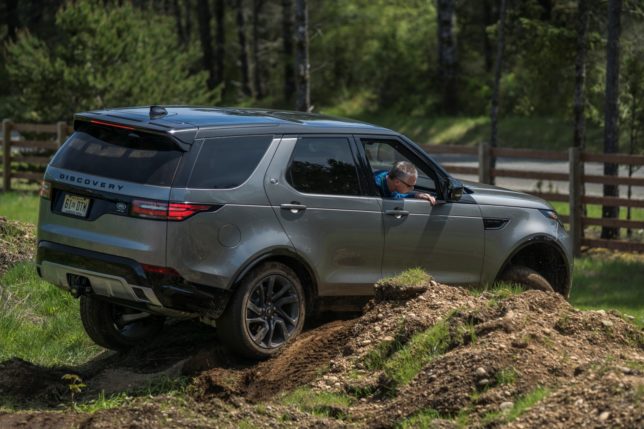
<point>403,170</point>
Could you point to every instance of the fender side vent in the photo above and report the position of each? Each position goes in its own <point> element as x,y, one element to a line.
<point>494,223</point>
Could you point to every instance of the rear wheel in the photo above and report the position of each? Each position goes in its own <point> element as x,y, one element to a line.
<point>266,311</point>
<point>116,327</point>
<point>527,277</point>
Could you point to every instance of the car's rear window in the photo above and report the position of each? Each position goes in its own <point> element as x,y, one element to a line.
<point>226,162</point>
<point>120,154</point>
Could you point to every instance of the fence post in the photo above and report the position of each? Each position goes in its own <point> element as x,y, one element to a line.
<point>6,154</point>
<point>576,210</point>
<point>61,132</point>
<point>485,168</point>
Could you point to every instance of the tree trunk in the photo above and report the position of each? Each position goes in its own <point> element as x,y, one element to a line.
<point>181,32</point>
<point>11,19</point>
<point>494,113</point>
<point>303,94</point>
<point>243,53</point>
<point>488,19</point>
<point>257,65</point>
<point>611,127</point>
<point>287,41</point>
<point>203,10</point>
<point>220,40</point>
<point>580,75</point>
<point>579,134</point>
<point>446,55</point>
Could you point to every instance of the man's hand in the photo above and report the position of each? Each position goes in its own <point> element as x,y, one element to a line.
<point>425,196</point>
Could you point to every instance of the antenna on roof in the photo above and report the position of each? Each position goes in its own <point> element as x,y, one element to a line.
<point>157,112</point>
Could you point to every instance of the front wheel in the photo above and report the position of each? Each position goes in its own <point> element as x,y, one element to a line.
<point>266,311</point>
<point>116,327</point>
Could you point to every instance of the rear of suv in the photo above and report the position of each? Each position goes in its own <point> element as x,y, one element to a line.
<point>251,219</point>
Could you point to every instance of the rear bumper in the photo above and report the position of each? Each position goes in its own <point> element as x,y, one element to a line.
<point>123,281</point>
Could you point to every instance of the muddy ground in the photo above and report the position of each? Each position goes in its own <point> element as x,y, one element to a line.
<point>499,351</point>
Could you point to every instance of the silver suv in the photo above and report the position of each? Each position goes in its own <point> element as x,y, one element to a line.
<point>253,219</point>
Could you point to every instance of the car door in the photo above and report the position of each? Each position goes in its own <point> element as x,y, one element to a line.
<point>447,240</point>
<point>316,190</point>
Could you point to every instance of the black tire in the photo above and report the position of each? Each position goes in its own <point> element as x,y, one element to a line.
<point>266,312</point>
<point>527,277</point>
<point>108,326</point>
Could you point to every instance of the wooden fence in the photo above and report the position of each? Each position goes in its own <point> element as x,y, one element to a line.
<point>34,152</point>
<point>576,184</point>
<point>49,137</point>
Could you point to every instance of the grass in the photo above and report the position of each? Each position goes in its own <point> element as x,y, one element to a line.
<point>409,278</point>
<point>324,404</point>
<point>403,365</point>
<point>173,387</point>
<point>40,323</point>
<point>607,280</point>
<point>520,406</point>
<point>22,206</point>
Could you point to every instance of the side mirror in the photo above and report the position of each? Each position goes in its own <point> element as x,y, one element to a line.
<point>454,190</point>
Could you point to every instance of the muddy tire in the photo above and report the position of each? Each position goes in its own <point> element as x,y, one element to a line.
<point>266,312</point>
<point>528,278</point>
<point>115,327</point>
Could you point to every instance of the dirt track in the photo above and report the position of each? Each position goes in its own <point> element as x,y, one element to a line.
<point>500,349</point>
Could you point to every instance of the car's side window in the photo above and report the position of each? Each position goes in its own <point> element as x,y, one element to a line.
<point>323,165</point>
<point>383,153</point>
<point>226,162</point>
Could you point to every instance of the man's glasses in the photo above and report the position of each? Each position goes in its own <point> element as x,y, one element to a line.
<point>405,183</point>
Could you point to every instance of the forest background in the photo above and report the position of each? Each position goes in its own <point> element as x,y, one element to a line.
<point>410,64</point>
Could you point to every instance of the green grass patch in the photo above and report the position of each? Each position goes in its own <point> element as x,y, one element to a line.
<point>22,206</point>
<point>421,349</point>
<point>409,278</point>
<point>520,406</point>
<point>606,280</point>
<point>506,376</point>
<point>324,404</point>
<point>39,322</point>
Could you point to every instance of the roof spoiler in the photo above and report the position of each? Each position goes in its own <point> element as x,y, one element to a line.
<point>182,137</point>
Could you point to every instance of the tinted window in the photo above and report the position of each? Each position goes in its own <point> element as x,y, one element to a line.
<point>324,166</point>
<point>120,154</point>
<point>227,162</point>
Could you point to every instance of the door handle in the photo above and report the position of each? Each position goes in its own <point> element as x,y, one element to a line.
<point>397,213</point>
<point>293,207</point>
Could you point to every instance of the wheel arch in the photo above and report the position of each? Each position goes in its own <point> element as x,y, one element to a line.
<point>297,263</point>
<point>543,254</point>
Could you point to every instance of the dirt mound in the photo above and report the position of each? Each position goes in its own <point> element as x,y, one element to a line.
<point>445,356</point>
<point>17,243</point>
<point>26,383</point>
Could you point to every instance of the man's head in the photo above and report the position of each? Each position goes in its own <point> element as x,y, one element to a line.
<point>403,175</point>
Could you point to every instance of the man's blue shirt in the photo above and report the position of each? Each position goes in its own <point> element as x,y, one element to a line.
<point>381,182</point>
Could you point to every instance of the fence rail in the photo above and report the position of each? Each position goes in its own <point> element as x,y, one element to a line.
<point>49,137</point>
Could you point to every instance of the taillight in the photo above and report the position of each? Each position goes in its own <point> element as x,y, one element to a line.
<point>45,190</point>
<point>166,211</point>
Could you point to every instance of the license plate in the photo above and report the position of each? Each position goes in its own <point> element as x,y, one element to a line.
<point>75,205</point>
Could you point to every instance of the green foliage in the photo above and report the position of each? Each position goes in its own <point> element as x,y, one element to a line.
<point>520,406</point>
<point>103,57</point>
